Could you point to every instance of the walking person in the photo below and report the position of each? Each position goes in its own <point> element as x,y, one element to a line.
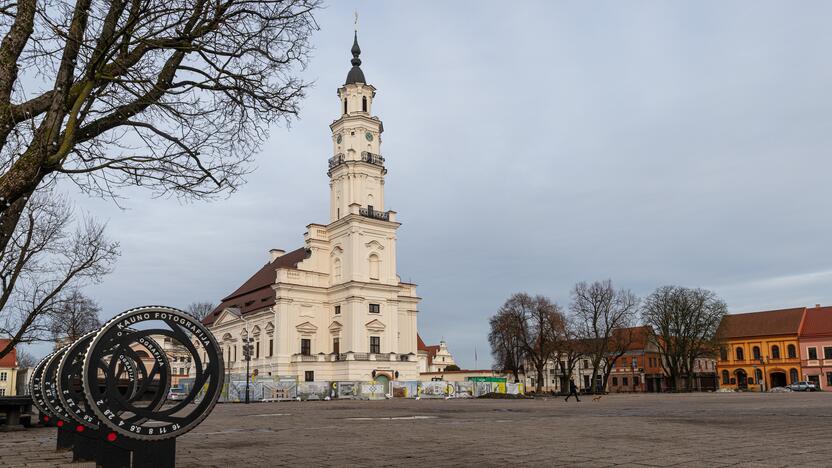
<point>573,390</point>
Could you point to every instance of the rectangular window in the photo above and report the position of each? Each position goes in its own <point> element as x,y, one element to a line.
<point>375,308</point>
<point>2,391</point>
<point>615,381</point>
<point>827,352</point>
<point>257,350</point>
<point>306,348</point>
<point>3,376</point>
<point>271,347</point>
<point>337,310</point>
<point>625,381</point>
<point>829,379</point>
<point>309,376</point>
<point>813,353</point>
<point>375,344</point>
<point>235,353</point>
<point>336,345</point>
<point>635,381</point>
<point>586,364</point>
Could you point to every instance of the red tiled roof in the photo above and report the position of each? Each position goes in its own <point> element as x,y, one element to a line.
<point>818,322</point>
<point>430,350</point>
<point>636,337</point>
<point>9,360</point>
<point>256,293</point>
<point>766,323</point>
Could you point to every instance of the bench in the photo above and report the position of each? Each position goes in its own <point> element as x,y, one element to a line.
<point>17,409</point>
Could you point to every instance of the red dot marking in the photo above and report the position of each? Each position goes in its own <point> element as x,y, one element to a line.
<point>46,418</point>
<point>79,428</point>
<point>59,424</point>
<point>111,437</point>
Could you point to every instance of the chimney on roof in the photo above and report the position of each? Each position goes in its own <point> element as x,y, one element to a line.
<point>274,254</point>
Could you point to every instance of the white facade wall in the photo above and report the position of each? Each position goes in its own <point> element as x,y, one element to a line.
<point>351,265</point>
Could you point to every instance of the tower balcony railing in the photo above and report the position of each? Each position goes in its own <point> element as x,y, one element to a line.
<point>371,213</point>
<point>336,160</point>
<point>372,158</point>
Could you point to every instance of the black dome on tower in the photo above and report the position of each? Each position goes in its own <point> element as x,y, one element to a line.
<point>355,75</point>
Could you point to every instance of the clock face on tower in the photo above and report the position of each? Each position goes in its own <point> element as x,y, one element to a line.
<point>368,136</point>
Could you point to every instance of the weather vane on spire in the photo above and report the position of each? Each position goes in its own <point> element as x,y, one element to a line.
<point>356,21</point>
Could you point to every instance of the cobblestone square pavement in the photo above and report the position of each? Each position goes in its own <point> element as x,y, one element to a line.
<point>724,429</point>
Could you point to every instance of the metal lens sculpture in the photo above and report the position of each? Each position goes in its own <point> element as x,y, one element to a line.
<point>36,389</point>
<point>70,379</point>
<point>50,387</point>
<point>129,344</point>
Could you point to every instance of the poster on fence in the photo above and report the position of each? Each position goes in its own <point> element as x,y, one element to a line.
<point>405,389</point>
<point>349,390</point>
<point>313,390</point>
<point>282,388</point>
<point>373,391</point>
<point>464,390</point>
<point>514,388</point>
<point>434,389</point>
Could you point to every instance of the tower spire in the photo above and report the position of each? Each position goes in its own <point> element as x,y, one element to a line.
<point>355,75</point>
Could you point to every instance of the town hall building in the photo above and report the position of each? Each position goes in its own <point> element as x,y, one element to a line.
<point>334,309</point>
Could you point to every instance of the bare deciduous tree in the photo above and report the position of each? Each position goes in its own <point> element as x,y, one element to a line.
<point>75,316</point>
<point>25,359</point>
<point>172,95</point>
<point>602,316</point>
<point>505,344</point>
<point>200,309</point>
<point>684,323</point>
<point>537,323</point>
<point>43,261</point>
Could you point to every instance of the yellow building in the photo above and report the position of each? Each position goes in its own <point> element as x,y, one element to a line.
<point>759,350</point>
<point>8,371</point>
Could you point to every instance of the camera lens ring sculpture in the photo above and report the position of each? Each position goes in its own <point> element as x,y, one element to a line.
<point>36,388</point>
<point>71,373</point>
<point>68,369</point>
<point>49,387</point>
<point>153,422</point>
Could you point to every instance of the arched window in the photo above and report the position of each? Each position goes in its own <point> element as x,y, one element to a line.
<point>756,352</point>
<point>740,354</point>
<point>775,352</point>
<point>374,266</point>
<point>723,354</point>
<point>793,376</point>
<point>792,351</point>
<point>726,377</point>
<point>364,103</point>
<point>345,105</point>
<point>758,375</point>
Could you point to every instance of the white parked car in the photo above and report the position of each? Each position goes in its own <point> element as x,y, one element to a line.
<point>803,386</point>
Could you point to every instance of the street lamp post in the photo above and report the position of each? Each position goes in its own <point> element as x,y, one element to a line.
<point>247,347</point>
<point>764,385</point>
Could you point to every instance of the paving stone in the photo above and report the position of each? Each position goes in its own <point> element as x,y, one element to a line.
<point>685,430</point>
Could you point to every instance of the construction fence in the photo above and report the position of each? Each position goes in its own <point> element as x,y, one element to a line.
<point>277,388</point>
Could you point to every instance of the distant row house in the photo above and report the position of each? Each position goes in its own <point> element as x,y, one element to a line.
<point>776,348</point>
<point>638,370</point>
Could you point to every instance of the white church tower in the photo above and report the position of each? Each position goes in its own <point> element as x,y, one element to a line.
<point>335,309</point>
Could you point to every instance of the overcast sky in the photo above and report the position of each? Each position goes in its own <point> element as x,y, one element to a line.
<point>530,148</point>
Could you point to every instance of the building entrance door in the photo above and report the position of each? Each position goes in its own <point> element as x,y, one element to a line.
<point>777,379</point>
<point>384,380</point>
<point>742,379</point>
